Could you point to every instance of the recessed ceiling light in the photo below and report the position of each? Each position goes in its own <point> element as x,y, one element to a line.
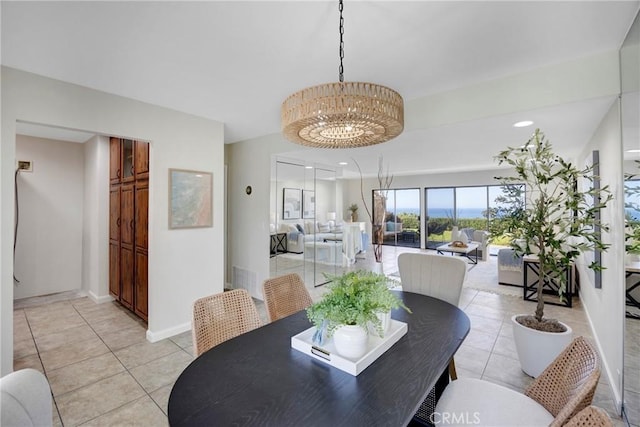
<point>308,167</point>
<point>343,163</point>
<point>523,124</point>
<point>633,151</point>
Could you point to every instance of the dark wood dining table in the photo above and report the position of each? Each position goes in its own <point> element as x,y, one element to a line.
<point>258,379</point>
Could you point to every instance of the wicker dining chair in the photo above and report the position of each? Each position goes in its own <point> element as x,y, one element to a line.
<point>563,389</point>
<point>220,317</point>
<point>591,416</point>
<point>285,295</point>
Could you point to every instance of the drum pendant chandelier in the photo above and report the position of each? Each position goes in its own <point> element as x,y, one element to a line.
<point>343,114</point>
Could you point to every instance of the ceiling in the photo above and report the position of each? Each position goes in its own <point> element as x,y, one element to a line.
<point>236,62</point>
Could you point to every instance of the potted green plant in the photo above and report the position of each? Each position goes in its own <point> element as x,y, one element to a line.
<point>353,208</point>
<point>354,301</point>
<point>557,224</point>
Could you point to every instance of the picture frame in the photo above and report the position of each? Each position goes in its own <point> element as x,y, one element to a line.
<point>190,199</point>
<point>291,203</point>
<point>308,204</point>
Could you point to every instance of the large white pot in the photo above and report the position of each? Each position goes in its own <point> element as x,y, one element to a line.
<point>537,349</point>
<point>378,268</point>
<point>350,341</point>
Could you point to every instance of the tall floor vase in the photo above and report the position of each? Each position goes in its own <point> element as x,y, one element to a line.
<point>378,268</point>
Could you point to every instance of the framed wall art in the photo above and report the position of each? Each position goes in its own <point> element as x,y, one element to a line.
<point>291,203</point>
<point>190,199</point>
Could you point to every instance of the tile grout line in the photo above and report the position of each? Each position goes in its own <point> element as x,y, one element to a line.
<point>35,344</point>
<point>148,394</point>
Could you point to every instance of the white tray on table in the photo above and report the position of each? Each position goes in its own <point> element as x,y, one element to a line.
<point>326,353</point>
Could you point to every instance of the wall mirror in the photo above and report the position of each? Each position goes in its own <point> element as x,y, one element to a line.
<point>304,233</point>
<point>630,113</point>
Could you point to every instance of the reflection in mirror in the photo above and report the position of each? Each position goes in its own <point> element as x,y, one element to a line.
<point>327,242</point>
<point>286,241</point>
<point>630,112</point>
<point>305,222</point>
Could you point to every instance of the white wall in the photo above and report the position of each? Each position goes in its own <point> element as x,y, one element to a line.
<point>605,307</point>
<point>49,247</point>
<point>183,264</point>
<point>250,163</point>
<point>95,253</point>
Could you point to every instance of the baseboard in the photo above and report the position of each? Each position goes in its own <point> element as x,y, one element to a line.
<point>168,333</point>
<point>100,299</point>
<point>611,378</point>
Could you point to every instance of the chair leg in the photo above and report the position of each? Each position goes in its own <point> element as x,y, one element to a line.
<point>452,370</point>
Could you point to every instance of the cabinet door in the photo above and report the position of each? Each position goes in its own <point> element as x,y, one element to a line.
<point>142,160</point>
<point>114,213</point>
<point>115,161</point>
<point>127,214</point>
<point>142,215</point>
<point>128,164</point>
<point>141,289</point>
<point>127,274</point>
<point>114,270</point>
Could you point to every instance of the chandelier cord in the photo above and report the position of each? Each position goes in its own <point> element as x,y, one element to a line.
<point>341,68</point>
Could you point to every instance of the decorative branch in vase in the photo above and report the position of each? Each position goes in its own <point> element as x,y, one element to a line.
<point>379,209</point>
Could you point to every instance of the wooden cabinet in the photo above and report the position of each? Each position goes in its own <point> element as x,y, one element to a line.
<point>141,248</point>
<point>115,169</point>
<point>128,224</point>
<point>141,157</point>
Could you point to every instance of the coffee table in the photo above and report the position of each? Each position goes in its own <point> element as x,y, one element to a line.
<point>464,251</point>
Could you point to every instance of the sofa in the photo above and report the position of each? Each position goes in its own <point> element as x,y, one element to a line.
<point>509,268</point>
<point>300,233</point>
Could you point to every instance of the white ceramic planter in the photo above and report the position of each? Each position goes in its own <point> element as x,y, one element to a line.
<point>385,321</point>
<point>351,341</point>
<point>378,268</point>
<point>537,349</point>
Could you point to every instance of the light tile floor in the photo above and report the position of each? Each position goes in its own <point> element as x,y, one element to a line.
<point>103,372</point>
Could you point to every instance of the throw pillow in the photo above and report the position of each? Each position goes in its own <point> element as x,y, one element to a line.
<point>323,227</point>
<point>300,229</point>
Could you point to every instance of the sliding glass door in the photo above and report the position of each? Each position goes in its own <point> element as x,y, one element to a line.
<point>464,207</point>
<point>399,214</point>
<point>440,203</point>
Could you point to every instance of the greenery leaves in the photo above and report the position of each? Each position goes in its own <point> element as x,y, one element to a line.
<point>355,298</point>
<point>558,221</point>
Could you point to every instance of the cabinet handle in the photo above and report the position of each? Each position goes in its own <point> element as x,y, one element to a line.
<point>131,224</point>
<point>118,174</point>
<point>132,170</point>
<point>118,222</point>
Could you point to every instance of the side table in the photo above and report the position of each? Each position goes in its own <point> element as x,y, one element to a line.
<point>278,243</point>
<point>551,285</point>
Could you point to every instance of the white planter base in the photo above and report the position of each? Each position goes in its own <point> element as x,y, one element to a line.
<point>378,268</point>
<point>351,341</point>
<point>537,349</point>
